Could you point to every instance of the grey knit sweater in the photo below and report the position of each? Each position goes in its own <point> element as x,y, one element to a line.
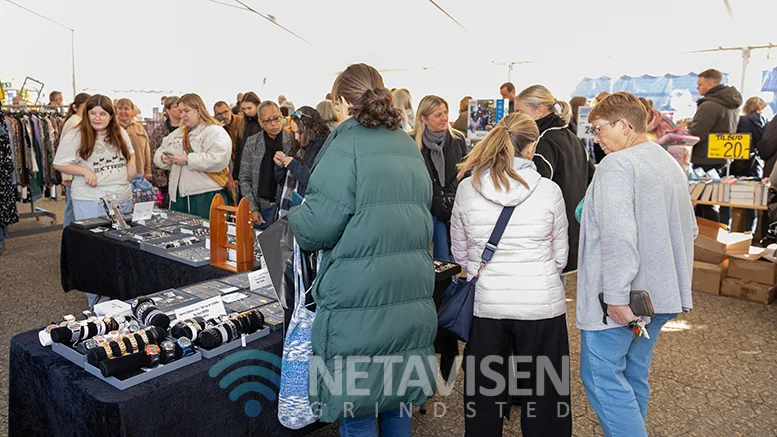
<point>637,233</point>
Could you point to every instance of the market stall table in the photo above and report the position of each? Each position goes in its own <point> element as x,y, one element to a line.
<point>50,396</point>
<point>93,263</point>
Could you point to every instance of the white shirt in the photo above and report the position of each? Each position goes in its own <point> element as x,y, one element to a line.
<point>106,162</point>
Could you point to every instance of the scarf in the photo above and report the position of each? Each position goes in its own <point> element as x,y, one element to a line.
<point>223,178</point>
<point>436,142</point>
<point>267,188</point>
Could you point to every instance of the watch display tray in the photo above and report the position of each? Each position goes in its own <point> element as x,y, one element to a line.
<point>134,233</point>
<point>234,344</point>
<point>144,375</point>
<point>92,223</point>
<point>176,216</point>
<point>69,354</point>
<point>174,255</point>
<point>150,245</point>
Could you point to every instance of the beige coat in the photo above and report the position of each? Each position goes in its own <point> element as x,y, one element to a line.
<point>139,140</point>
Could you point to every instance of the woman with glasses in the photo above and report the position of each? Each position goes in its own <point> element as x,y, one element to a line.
<point>99,156</point>
<point>138,136</point>
<point>560,156</point>
<point>197,155</point>
<point>172,121</point>
<point>249,126</point>
<point>638,228</point>
<point>258,180</point>
<point>293,170</point>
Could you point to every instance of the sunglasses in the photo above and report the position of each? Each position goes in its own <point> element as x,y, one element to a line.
<point>300,114</point>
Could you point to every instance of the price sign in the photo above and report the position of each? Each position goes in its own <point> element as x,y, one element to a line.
<point>584,129</point>
<point>729,146</point>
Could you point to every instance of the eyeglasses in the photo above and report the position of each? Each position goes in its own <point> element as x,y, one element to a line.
<point>273,120</point>
<point>100,115</point>
<point>598,129</point>
<point>223,113</point>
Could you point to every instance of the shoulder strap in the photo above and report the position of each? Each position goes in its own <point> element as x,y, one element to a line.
<point>496,235</point>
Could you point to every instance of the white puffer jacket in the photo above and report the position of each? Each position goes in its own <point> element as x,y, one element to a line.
<point>522,281</point>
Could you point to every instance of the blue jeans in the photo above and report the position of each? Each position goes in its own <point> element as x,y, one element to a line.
<point>395,423</point>
<point>69,214</point>
<point>441,249</point>
<point>87,209</point>
<point>614,368</point>
<point>3,233</point>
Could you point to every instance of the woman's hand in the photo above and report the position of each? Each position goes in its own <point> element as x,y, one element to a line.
<point>179,159</point>
<point>149,177</point>
<point>258,219</point>
<point>90,178</point>
<point>286,161</point>
<point>167,159</point>
<point>279,158</point>
<point>622,314</point>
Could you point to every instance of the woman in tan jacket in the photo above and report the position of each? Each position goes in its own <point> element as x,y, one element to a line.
<point>138,136</point>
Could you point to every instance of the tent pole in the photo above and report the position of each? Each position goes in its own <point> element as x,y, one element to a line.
<point>73,58</point>
<point>745,63</point>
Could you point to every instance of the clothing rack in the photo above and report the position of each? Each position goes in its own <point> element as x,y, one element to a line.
<point>35,212</point>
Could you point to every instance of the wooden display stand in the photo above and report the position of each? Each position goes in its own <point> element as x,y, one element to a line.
<point>244,233</point>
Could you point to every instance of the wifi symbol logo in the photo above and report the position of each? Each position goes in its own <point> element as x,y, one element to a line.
<point>253,407</point>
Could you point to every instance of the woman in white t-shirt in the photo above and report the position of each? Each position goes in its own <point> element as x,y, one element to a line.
<point>99,157</point>
<point>73,119</point>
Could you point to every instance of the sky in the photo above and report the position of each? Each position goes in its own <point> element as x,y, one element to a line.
<point>218,50</point>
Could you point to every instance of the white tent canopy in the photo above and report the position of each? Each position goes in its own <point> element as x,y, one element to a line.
<point>218,49</point>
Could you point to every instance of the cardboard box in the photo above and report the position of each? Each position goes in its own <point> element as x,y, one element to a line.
<point>714,242</point>
<point>754,270</point>
<point>750,291</point>
<point>707,277</point>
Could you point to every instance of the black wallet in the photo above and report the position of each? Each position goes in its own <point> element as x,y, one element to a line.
<point>639,302</point>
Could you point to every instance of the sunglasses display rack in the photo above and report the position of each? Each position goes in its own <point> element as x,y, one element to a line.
<point>220,223</point>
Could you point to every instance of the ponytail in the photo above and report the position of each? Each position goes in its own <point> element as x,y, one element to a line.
<point>376,108</point>
<point>563,110</point>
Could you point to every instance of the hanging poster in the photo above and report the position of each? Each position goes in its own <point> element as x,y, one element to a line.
<point>483,115</point>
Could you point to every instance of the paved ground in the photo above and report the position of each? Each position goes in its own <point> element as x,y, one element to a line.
<point>714,370</point>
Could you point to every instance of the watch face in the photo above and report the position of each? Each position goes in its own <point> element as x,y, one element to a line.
<point>152,349</point>
<point>184,342</point>
<point>74,326</point>
<point>90,344</point>
<point>168,346</point>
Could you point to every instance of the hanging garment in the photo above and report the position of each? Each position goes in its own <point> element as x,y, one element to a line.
<point>8,213</point>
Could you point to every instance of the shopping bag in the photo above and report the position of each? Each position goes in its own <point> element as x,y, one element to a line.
<point>294,410</point>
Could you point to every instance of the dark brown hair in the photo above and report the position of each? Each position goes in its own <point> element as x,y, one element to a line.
<point>311,126</point>
<point>80,99</point>
<point>622,105</point>
<point>372,104</point>
<point>712,74</point>
<point>252,98</point>
<point>509,85</point>
<point>112,131</point>
<point>575,103</point>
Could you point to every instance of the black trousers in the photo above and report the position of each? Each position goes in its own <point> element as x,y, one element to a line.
<point>539,344</point>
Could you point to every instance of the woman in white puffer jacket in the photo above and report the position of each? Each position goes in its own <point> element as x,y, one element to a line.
<point>520,305</point>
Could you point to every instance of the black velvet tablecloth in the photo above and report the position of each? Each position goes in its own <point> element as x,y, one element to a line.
<point>94,263</point>
<point>50,396</point>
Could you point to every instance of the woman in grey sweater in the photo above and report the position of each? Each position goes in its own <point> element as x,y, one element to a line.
<point>637,233</point>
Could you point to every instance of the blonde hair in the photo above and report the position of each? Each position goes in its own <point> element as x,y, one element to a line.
<point>328,112</point>
<point>495,153</point>
<point>537,95</point>
<point>426,107</point>
<point>754,105</point>
<point>125,102</point>
<point>195,102</point>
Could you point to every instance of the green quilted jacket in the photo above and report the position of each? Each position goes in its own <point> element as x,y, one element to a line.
<point>367,207</point>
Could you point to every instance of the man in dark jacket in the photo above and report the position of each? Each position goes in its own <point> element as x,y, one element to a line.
<point>717,112</point>
<point>767,147</point>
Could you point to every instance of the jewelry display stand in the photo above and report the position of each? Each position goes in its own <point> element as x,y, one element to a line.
<point>244,233</point>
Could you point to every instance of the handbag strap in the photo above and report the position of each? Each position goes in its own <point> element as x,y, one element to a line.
<point>496,235</point>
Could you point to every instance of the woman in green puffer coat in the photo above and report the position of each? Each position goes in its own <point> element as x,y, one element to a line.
<point>367,207</point>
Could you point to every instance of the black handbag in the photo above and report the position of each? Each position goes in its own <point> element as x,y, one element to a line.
<point>639,302</point>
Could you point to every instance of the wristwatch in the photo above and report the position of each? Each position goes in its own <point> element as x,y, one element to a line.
<point>108,350</point>
<point>184,345</point>
<point>122,346</point>
<point>133,342</point>
<point>153,352</point>
<point>144,336</point>
<point>168,351</point>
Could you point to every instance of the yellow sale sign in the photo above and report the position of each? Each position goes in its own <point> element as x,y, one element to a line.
<point>729,146</point>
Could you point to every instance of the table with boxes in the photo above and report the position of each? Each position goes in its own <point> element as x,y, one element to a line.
<point>726,264</point>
